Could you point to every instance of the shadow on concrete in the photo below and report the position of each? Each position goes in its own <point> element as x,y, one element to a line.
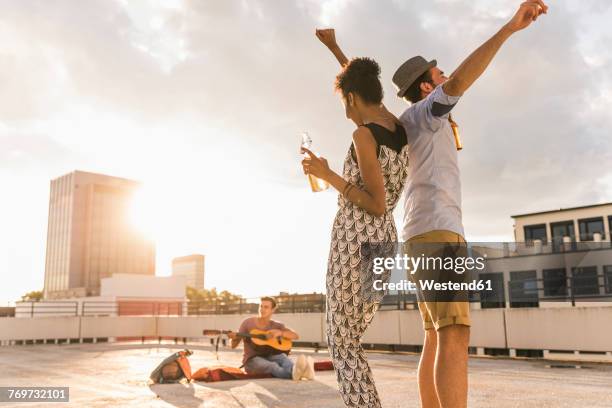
<point>267,392</point>
<point>274,392</point>
<point>179,395</point>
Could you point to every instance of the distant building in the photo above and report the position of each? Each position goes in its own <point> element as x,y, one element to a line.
<point>300,302</point>
<point>192,268</point>
<point>145,295</point>
<point>89,236</point>
<point>8,311</point>
<point>560,258</point>
<point>578,224</point>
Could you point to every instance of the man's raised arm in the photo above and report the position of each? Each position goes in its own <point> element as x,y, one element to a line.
<point>328,38</point>
<point>474,65</point>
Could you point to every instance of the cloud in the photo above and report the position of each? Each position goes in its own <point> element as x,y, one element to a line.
<point>30,151</point>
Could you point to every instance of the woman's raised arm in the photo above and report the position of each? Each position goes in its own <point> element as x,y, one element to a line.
<point>328,37</point>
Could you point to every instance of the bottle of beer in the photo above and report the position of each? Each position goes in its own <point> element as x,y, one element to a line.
<point>455,129</point>
<point>316,184</point>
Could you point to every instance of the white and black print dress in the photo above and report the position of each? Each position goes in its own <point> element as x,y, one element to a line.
<point>351,301</point>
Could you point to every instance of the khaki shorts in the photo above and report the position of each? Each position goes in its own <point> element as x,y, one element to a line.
<point>437,315</point>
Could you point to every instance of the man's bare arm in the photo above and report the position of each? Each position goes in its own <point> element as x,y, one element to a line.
<point>328,37</point>
<point>290,334</point>
<point>475,65</point>
<point>235,339</point>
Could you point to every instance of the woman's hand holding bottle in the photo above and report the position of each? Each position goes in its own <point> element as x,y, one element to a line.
<point>316,166</point>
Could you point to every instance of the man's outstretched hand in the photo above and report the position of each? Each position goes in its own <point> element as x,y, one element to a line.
<point>529,12</point>
<point>327,36</point>
<point>477,62</point>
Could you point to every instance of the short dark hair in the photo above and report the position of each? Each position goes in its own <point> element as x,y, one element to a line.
<point>269,299</point>
<point>413,93</point>
<point>362,77</point>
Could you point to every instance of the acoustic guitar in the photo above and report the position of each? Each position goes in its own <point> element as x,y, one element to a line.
<point>258,337</point>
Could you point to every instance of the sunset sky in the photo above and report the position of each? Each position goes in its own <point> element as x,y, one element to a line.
<point>203,102</point>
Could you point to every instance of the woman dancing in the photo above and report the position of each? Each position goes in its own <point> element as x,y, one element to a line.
<point>373,177</point>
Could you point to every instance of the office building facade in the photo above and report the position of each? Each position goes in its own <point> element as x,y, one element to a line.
<point>90,235</point>
<point>560,258</point>
<point>578,224</point>
<point>192,268</point>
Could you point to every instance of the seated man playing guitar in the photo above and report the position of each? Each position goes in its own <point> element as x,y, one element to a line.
<point>265,359</point>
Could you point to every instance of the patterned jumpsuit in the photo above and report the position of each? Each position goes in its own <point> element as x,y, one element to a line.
<point>351,301</point>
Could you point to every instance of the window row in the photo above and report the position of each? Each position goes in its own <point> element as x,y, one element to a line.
<point>524,291</point>
<point>587,228</point>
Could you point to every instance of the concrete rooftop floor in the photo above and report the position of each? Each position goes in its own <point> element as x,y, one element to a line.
<point>116,375</point>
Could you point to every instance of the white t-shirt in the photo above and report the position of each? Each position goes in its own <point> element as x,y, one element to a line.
<point>432,195</point>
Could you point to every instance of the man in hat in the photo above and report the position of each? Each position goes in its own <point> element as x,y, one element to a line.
<point>433,196</point>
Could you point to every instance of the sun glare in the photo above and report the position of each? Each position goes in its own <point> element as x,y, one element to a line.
<point>157,212</point>
<point>143,214</point>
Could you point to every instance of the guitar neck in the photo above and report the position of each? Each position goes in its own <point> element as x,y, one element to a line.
<point>249,335</point>
<point>239,334</point>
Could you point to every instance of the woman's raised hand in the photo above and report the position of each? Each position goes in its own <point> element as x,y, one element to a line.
<point>327,36</point>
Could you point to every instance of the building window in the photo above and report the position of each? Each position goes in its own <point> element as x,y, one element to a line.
<point>608,278</point>
<point>590,227</point>
<point>560,230</point>
<point>585,281</point>
<point>523,289</point>
<point>555,282</point>
<point>495,298</point>
<point>610,227</point>
<point>533,232</point>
